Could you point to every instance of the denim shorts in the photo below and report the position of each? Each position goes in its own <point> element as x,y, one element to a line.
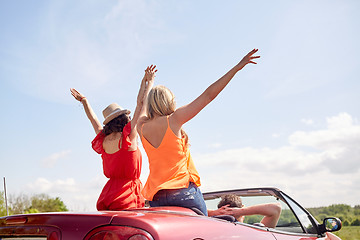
<point>190,197</point>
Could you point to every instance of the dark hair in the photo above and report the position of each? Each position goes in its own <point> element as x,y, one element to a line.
<point>116,125</point>
<point>232,200</point>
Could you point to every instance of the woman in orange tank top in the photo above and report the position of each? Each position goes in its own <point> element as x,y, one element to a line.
<point>117,144</point>
<point>173,179</point>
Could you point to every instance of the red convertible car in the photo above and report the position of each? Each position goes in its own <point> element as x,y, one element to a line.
<point>174,223</point>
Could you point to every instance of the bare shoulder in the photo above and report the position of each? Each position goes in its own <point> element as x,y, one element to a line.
<point>141,121</point>
<point>176,120</point>
<point>154,125</point>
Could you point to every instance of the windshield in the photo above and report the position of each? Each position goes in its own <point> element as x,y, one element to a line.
<point>303,216</point>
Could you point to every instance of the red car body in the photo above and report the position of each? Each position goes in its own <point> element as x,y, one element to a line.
<point>149,223</point>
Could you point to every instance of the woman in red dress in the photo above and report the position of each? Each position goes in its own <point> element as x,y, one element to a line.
<point>117,144</point>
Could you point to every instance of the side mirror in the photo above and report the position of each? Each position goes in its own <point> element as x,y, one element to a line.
<point>331,224</point>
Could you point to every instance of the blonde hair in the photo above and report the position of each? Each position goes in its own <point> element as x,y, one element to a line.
<point>161,101</point>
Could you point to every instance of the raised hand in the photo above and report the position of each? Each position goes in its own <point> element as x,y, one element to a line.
<point>78,96</point>
<point>247,59</point>
<point>224,210</point>
<point>146,84</point>
<point>150,73</point>
<point>88,110</point>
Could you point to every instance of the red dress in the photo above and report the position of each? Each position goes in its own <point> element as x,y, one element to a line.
<point>123,168</point>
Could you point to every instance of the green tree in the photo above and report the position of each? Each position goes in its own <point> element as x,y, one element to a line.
<point>2,205</point>
<point>321,217</point>
<point>286,217</point>
<point>43,203</point>
<point>17,204</point>
<point>345,223</point>
<point>357,210</point>
<point>253,219</point>
<point>348,215</point>
<point>339,208</point>
<point>356,222</point>
<point>38,203</point>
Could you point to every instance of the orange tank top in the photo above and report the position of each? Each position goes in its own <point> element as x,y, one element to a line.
<point>171,165</point>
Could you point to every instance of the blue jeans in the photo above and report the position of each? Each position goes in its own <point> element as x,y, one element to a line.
<point>190,197</point>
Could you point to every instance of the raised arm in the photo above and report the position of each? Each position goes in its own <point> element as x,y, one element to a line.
<point>88,110</point>
<point>270,211</point>
<point>187,112</point>
<point>145,87</point>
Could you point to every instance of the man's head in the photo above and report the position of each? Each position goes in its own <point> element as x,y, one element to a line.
<point>231,200</point>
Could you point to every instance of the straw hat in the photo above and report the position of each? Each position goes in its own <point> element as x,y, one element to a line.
<point>112,111</point>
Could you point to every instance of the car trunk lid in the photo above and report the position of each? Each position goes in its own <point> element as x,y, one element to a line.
<point>51,225</point>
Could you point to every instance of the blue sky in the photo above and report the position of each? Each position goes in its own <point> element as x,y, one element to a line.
<point>291,121</point>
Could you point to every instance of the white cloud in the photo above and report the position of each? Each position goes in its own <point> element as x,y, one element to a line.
<point>77,196</point>
<point>41,184</point>
<point>314,163</point>
<point>339,143</point>
<point>47,186</point>
<point>216,145</point>
<point>50,161</point>
<point>276,135</point>
<point>341,129</point>
<point>307,121</point>
<point>285,158</point>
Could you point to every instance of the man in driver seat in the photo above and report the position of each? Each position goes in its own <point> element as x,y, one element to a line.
<point>232,205</point>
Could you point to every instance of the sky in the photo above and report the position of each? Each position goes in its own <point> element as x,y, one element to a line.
<point>290,122</point>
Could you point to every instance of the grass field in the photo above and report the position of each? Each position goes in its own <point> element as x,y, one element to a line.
<point>349,233</point>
